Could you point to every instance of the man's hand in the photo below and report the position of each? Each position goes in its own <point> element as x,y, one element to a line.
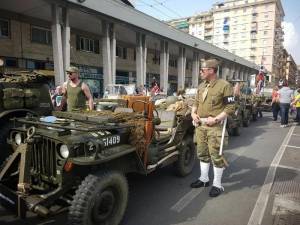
<point>195,117</point>
<point>211,121</point>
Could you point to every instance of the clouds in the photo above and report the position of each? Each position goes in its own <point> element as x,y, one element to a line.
<point>291,40</point>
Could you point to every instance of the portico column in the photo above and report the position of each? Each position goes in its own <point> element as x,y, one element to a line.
<point>66,40</point>
<point>195,69</point>
<point>113,43</point>
<point>164,65</point>
<point>106,48</point>
<point>181,68</point>
<point>225,72</point>
<point>141,59</point>
<point>233,74</point>
<point>57,46</point>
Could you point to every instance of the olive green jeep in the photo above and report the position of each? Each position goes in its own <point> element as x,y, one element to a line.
<point>79,160</point>
<point>21,93</point>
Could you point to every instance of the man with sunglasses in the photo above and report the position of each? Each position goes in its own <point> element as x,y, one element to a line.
<point>214,102</point>
<point>76,91</point>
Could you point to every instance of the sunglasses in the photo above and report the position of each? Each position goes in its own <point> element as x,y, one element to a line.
<point>204,69</point>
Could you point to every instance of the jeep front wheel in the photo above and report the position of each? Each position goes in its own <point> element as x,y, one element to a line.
<point>5,149</point>
<point>186,158</point>
<point>100,200</point>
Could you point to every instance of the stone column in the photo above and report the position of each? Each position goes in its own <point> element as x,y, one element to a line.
<point>141,59</point>
<point>113,45</point>
<point>66,40</point>
<point>226,72</point>
<point>164,65</point>
<point>181,68</point>
<point>57,46</point>
<point>195,69</point>
<point>106,54</point>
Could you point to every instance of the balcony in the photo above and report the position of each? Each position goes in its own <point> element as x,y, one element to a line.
<point>208,19</point>
<point>208,25</point>
<point>207,34</point>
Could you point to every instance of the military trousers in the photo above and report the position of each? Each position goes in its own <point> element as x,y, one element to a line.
<point>208,140</point>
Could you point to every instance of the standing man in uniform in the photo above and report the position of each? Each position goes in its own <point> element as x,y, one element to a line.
<point>213,103</point>
<point>77,92</point>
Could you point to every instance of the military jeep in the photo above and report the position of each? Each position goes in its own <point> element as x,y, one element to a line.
<point>21,93</point>
<point>79,160</point>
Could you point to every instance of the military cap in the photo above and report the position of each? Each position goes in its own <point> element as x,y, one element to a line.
<point>210,63</point>
<point>72,69</point>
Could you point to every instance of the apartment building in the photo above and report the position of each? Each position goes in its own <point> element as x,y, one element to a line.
<point>248,28</point>
<point>291,71</point>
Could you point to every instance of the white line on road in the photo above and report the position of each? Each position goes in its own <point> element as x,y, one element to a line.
<point>191,195</point>
<point>186,199</point>
<point>261,203</point>
<point>296,135</point>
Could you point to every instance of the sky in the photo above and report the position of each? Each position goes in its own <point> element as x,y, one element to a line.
<point>172,9</point>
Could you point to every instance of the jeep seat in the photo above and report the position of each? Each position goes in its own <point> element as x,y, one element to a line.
<point>164,130</point>
<point>122,109</point>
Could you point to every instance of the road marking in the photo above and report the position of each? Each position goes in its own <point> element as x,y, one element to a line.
<point>186,199</point>
<point>292,146</point>
<point>289,167</point>
<point>296,135</point>
<point>262,200</point>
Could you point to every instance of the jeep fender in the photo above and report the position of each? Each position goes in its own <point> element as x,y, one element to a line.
<point>15,112</point>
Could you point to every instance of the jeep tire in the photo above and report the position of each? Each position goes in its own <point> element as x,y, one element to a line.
<point>5,149</point>
<point>187,157</point>
<point>100,199</point>
<point>246,122</point>
<point>236,131</point>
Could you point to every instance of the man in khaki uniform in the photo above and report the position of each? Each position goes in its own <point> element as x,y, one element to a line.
<point>213,103</point>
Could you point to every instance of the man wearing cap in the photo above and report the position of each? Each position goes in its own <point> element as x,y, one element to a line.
<point>76,91</point>
<point>214,102</point>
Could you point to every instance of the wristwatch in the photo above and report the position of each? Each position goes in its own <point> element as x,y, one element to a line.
<point>217,120</point>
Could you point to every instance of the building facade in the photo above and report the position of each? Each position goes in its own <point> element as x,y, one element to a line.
<point>110,42</point>
<point>248,28</point>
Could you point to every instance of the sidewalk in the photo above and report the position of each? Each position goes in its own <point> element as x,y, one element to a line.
<point>283,206</point>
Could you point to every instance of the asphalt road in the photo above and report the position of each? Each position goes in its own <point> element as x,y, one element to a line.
<point>164,199</point>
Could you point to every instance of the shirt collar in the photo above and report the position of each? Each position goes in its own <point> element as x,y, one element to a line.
<point>212,83</point>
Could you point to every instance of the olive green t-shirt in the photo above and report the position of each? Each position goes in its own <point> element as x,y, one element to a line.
<point>75,97</point>
<point>216,100</point>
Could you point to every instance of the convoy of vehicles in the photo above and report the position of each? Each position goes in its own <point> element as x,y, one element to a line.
<point>79,160</point>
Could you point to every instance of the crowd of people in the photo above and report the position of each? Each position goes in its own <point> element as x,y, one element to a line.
<point>284,100</point>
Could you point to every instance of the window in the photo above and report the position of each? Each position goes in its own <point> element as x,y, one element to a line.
<point>266,15</point>
<point>4,28</point>
<point>121,52</point>
<point>244,10</point>
<point>41,35</point>
<point>265,32</point>
<point>87,44</point>
<point>11,62</point>
<point>173,63</point>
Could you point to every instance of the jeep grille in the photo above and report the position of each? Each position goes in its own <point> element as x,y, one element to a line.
<point>44,158</point>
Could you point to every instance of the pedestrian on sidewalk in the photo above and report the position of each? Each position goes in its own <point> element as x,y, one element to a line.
<point>213,103</point>
<point>296,102</point>
<point>285,98</point>
<point>275,103</point>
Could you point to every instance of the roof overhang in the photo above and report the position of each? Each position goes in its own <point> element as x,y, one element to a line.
<point>147,24</point>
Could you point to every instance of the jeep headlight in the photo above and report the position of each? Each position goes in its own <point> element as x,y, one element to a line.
<point>64,151</point>
<point>18,138</point>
